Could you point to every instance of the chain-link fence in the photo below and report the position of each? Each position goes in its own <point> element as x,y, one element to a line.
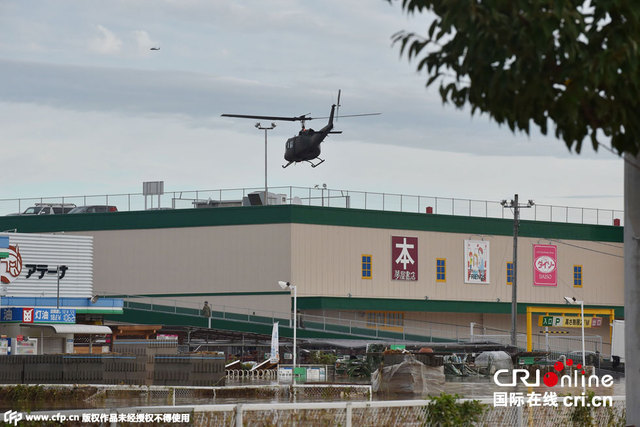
<point>376,413</point>
<point>117,395</point>
<point>402,413</point>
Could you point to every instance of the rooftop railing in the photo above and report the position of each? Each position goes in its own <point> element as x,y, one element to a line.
<point>329,198</point>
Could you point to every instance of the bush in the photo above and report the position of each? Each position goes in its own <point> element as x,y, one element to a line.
<point>319,358</point>
<point>446,411</point>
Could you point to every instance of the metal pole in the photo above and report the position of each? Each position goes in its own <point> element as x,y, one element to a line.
<point>514,289</point>
<point>584,358</point>
<point>266,188</point>
<point>58,287</point>
<point>266,194</point>
<point>295,328</point>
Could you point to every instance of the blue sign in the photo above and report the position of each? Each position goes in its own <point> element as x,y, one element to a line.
<point>11,315</point>
<point>38,315</point>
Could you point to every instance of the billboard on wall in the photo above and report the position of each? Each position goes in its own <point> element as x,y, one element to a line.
<point>545,265</point>
<point>476,261</point>
<point>404,258</point>
<point>32,265</point>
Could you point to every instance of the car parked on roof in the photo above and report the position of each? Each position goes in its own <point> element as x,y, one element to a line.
<point>93,209</point>
<point>48,209</point>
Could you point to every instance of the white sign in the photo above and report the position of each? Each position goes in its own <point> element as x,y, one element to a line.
<point>275,353</point>
<point>476,261</point>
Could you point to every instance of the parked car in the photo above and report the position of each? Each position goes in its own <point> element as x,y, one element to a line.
<point>93,209</point>
<point>48,209</point>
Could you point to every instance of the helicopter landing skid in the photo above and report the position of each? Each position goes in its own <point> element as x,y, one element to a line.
<point>284,166</point>
<point>317,164</point>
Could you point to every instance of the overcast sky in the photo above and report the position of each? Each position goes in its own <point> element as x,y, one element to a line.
<point>87,108</point>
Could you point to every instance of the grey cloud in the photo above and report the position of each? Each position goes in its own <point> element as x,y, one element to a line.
<point>408,118</point>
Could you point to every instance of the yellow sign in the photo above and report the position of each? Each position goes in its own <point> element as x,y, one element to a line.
<point>575,322</point>
<point>564,322</point>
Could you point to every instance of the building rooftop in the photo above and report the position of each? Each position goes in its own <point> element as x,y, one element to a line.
<point>323,197</point>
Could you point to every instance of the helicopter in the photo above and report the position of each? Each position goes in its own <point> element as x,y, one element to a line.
<point>305,146</point>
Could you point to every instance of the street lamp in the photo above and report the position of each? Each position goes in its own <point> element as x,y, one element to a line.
<point>572,300</point>
<point>291,287</point>
<point>260,127</point>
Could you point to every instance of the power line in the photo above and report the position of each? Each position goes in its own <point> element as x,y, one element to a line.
<point>585,248</point>
<point>629,162</point>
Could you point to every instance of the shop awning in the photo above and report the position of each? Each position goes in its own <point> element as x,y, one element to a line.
<point>63,328</point>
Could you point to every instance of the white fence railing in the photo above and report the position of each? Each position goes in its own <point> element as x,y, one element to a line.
<point>330,198</point>
<point>375,413</point>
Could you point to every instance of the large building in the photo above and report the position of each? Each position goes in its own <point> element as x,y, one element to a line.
<point>439,276</point>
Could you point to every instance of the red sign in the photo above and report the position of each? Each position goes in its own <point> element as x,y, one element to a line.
<point>11,267</point>
<point>27,315</point>
<point>20,338</point>
<point>545,265</point>
<point>404,258</point>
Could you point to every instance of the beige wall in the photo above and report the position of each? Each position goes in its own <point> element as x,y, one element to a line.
<point>326,262</point>
<point>249,258</point>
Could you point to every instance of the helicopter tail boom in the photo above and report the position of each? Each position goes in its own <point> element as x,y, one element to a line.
<point>329,125</point>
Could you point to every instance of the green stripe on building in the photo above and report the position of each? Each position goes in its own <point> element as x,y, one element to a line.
<point>295,214</point>
<point>447,306</point>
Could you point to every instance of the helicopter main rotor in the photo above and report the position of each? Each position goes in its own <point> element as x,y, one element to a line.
<point>302,119</point>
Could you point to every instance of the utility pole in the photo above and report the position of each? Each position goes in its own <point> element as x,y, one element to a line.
<point>514,287</point>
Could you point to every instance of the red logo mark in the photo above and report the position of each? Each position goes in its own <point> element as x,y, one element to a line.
<point>550,379</point>
<point>10,268</point>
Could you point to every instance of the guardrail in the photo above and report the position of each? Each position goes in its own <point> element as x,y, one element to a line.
<point>330,198</point>
<point>343,323</point>
<point>351,327</point>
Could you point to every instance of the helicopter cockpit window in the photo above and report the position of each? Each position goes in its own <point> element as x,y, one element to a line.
<point>289,143</point>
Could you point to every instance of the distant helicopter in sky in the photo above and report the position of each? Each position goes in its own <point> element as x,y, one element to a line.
<point>305,147</point>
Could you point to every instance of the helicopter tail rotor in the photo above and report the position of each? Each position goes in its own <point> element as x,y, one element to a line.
<point>338,105</point>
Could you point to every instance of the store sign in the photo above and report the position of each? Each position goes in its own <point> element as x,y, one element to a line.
<point>476,261</point>
<point>569,321</point>
<point>38,315</point>
<point>42,269</point>
<point>545,265</point>
<point>404,258</point>
<point>10,261</point>
<point>46,265</point>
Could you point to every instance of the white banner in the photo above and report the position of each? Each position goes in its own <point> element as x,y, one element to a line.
<point>275,354</point>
